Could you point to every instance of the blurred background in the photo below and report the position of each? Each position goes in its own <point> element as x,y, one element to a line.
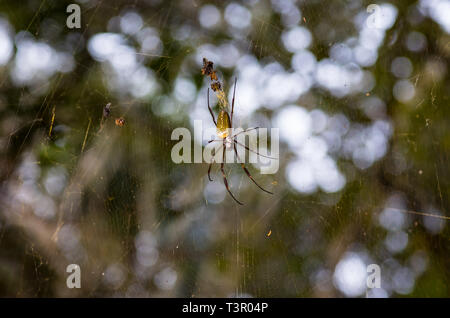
<point>358,89</point>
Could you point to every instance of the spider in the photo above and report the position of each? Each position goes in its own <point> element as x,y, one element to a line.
<point>223,125</point>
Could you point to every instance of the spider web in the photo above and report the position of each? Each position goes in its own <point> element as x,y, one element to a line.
<point>363,174</point>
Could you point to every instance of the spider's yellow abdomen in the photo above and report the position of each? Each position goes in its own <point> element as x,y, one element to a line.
<point>223,124</point>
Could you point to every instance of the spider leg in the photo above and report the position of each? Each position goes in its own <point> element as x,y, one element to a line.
<point>212,161</point>
<point>210,110</point>
<point>241,132</point>
<point>209,171</point>
<point>225,181</point>
<point>253,150</point>
<point>247,172</point>
<point>232,103</point>
<point>209,167</point>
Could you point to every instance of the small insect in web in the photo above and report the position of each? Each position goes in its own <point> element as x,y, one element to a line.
<point>208,69</point>
<point>120,122</point>
<point>106,114</point>
<point>107,110</point>
<point>223,125</point>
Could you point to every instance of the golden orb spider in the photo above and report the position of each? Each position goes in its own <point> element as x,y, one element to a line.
<point>224,125</point>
